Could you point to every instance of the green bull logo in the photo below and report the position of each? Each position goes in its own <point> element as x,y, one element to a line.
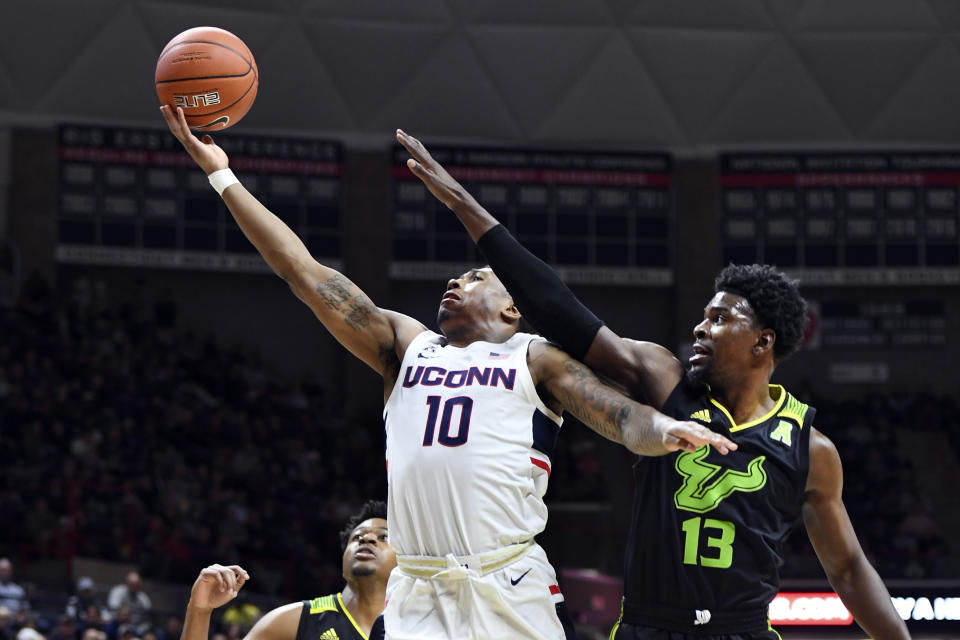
<point>704,486</point>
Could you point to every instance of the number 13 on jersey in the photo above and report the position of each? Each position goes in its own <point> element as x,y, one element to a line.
<point>717,534</point>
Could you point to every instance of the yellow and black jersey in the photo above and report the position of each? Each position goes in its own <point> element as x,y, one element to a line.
<point>705,545</point>
<point>326,618</point>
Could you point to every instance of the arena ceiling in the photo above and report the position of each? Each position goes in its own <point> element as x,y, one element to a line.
<point>667,74</point>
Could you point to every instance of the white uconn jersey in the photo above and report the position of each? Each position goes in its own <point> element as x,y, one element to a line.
<point>468,448</point>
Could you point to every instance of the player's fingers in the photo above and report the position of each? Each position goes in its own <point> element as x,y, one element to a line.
<point>673,443</point>
<point>172,123</point>
<point>418,169</point>
<point>728,444</point>
<point>698,435</point>
<point>214,573</point>
<point>404,139</point>
<point>188,137</point>
<point>179,127</point>
<point>415,147</point>
<point>719,442</point>
<point>407,142</point>
<point>230,578</point>
<point>240,573</point>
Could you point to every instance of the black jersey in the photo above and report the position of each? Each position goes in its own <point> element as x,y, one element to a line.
<point>705,543</point>
<point>326,618</point>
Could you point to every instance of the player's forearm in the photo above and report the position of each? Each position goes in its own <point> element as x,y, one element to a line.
<point>641,431</point>
<point>277,243</point>
<point>196,624</point>
<point>631,424</point>
<point>474,218</point>
<point>539,293</point>
<point>864,594</point>
<point>608,412</point>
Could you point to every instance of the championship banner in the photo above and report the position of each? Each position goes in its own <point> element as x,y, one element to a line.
<point>134,197</point>
<point>844,218</point>
<point>599,218</point>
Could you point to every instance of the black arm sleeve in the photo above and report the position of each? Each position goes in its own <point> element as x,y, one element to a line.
<point>541,296</point>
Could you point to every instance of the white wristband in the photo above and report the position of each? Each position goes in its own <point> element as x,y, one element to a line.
<point>221,179</point>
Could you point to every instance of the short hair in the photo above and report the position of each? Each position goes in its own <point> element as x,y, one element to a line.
<point>370,509</point>
<point>774,298</point>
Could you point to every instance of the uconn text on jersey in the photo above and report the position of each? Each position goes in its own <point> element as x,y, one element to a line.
<point>437,376</point>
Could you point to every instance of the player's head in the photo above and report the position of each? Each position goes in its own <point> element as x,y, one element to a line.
<point>366,545</point>
<point>476,299</point>
<point>754,320</point>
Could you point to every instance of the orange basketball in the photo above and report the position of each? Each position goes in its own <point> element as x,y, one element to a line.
<point>211,74</point>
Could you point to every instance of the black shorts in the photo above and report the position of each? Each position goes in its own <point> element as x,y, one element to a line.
<point>626,631</point>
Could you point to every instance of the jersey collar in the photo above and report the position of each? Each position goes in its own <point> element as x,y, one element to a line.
<point>776,391</point>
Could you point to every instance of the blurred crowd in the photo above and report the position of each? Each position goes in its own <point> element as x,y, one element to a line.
<point>124,614</point>
<point>889,510</point>
<point>122,438</point>
<point>125,438</point>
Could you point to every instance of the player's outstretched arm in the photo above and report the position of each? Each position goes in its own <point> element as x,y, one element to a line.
<point>640,428</point>
<point>645,369</point>
<point>216,586</point>
<point>372,334</point>
<point>833,538</point>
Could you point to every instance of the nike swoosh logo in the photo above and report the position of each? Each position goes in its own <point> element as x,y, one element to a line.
<point>515,582</point>
<point>224,120</point>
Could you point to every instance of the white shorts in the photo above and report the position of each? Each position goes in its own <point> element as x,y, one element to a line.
<point>464,602</point>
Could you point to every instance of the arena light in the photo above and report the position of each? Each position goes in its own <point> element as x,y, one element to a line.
<point>924,608</point>
<point>821,609</point>
<point>809,609</point>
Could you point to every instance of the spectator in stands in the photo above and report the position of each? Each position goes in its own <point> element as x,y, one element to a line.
<point>172,628</point>
<point>131,595</point>
<point>241,612</point>
<point>66,629</point>
<point>84,607</point>
<point>12,595</point>
<point>29,633</point>
<point>7,630</point>
<point>96,618</point>
<point>121,620</point>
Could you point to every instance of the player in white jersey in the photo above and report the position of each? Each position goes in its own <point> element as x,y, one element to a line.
<point>466,467</point>
<point>467,429</point>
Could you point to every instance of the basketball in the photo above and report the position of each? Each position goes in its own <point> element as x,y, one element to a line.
<point>211,74</point>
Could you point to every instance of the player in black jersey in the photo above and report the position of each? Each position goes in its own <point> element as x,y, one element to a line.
<point>368,560</point>
<point>705,540</point>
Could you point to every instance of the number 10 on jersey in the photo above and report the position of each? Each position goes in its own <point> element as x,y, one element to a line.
<point>465,403</point>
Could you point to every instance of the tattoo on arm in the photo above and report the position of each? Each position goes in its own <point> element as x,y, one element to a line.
<point>337,295</point>
<point>593,403</point>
